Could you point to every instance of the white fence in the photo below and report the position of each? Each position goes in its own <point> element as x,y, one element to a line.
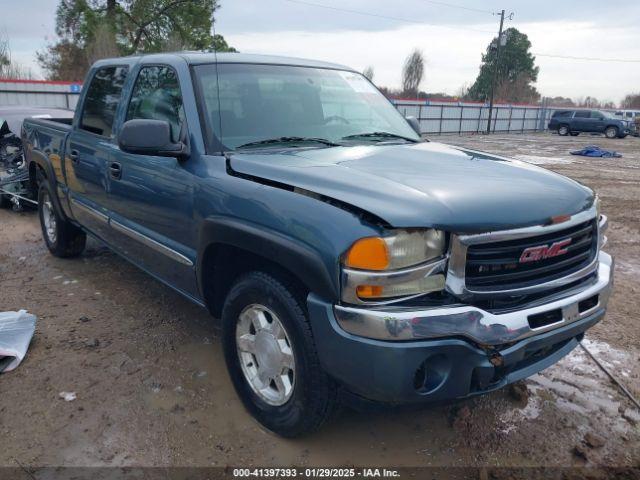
<point>39,93</point>
<point>435,117</point>
<point>460,117</point>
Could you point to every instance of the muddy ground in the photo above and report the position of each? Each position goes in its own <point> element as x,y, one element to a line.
<point>151,387</point>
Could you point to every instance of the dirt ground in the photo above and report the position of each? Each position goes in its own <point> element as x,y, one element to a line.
<point>148,373</point>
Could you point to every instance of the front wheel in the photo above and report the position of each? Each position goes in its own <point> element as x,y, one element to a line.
<point>563,130</point>
<point>611,132</point>
<point>5,201</point>
<point>62,238</point>
<point>271,356</point>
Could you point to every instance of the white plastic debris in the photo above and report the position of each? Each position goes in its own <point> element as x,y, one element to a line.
<point>68,396</point>
<point>16,331</point>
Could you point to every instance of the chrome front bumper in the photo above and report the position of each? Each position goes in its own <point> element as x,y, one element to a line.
<point>475,324</point>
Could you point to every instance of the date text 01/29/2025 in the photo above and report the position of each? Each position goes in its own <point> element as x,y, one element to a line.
<point>315,473</point>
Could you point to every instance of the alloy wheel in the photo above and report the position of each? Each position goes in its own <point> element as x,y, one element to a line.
<point>265,354</point>
<point>49,219</point>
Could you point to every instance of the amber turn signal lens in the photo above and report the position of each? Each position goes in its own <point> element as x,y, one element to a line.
<point>368,254</point>
<point>369,291</point>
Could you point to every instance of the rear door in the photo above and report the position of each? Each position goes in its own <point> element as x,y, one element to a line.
<point>581,121</point>
<point>89,148</point>
<point>150,199</point>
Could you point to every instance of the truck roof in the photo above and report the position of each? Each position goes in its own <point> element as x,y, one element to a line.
<point>199,58</point>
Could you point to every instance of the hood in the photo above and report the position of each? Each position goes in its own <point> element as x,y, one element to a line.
<point>424,185</point>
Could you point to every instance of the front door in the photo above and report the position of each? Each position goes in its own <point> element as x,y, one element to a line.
<point>150,198</point>
<point>597,123</point>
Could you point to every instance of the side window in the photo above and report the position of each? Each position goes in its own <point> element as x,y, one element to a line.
<point>156,96</point>
<point>582,114</point>
<point>597,115</point>
<point>101,102</point>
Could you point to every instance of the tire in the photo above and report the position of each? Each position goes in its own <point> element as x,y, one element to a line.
<point>312,395</point>
<point>5,202</point>
<point>62,238</point>
<point>611,132</point>
<point>575,134</point>
<point>563,130</point>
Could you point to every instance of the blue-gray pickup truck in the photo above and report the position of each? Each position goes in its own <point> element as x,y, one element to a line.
<point>346,257</point>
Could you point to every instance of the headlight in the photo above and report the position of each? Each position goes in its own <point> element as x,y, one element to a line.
<point>405,263</point>
<point>603,224</point>
<point>402,249</point>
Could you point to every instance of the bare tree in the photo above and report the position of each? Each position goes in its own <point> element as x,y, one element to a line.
<point>588,102</point>
<point>369,73</point>
<point>8,67</point>
<point>412,73</point>
<point>517,90</point>
<point>631,101</point>
<point>463,91</point>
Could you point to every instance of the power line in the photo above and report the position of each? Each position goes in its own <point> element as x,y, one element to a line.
<point>451,5</point>
<point>435,2</point>
<point>376,15</point>
<point>590,59</point>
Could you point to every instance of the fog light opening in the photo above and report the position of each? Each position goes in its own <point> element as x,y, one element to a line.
<point>431,374</point>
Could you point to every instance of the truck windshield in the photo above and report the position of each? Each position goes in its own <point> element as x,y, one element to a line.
<point>266,106</point>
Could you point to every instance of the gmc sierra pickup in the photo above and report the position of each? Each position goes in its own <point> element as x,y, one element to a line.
<point>346,256</point>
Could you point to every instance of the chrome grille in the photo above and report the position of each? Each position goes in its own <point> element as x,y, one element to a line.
<point>496,266</point>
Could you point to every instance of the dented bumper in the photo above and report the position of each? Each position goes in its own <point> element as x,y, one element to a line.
<point>478,325</point>
<point>447,353</point>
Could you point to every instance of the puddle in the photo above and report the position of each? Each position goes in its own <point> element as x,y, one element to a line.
<point>577,387</point>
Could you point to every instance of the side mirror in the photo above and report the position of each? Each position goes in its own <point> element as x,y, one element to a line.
<point>150,137</point>
<point>414,123</point>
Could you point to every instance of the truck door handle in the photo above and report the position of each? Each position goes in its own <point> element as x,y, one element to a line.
<point>115,170</point>
<point>74,155</point>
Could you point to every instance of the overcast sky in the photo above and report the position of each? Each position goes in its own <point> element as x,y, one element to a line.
<point>452,40</point>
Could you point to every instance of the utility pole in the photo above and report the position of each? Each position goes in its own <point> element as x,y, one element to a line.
<point>495,72</point>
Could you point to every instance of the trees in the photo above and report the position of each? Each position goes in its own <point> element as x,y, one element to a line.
<point>8,67</point>
<point>412,73</point>
<point>516,71</point>
<point>92,29</point>
<point>631,101</point>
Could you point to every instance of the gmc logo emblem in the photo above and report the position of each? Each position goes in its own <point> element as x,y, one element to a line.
<point>541,252</point>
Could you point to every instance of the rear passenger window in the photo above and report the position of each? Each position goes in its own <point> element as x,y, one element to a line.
<point>101,102</point>
<point>583,114</point>
<point>156,96</point>
<point>562,114</point>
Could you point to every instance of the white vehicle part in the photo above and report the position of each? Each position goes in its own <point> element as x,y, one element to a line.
<point>16,331</point>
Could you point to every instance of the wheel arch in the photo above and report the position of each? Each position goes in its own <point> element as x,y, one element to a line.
<point>230,247</point>
<point>38,162</point>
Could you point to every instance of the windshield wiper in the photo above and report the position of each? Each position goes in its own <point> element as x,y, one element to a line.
<point>281,140</point>
<point>381,135</point>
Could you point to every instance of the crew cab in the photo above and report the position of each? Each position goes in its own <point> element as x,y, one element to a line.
<point>347,257</point>
<point>574,122</point>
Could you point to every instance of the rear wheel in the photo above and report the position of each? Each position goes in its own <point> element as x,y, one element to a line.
<point>611,132</point>
<point>271,356</point>
<point>563,130</point>
<point>62,238</point>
